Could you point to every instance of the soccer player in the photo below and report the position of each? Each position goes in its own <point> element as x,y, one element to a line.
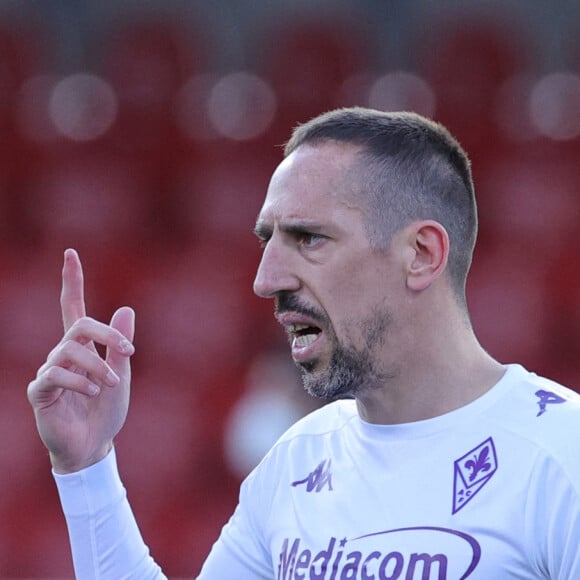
<point>432,460</point>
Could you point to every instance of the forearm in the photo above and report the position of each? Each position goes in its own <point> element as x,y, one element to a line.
<point>105,539</point>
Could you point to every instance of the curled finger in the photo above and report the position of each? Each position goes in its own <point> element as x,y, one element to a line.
<point>81,360</point>
<point>87,330</point>
<point>49,386</point>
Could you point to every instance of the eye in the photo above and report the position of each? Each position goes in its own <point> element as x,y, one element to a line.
<point>309,240</point>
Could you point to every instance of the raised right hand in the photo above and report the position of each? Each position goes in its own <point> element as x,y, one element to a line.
<point>80,399</point>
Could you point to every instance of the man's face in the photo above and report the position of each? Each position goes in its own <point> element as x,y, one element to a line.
<point>334,294</point>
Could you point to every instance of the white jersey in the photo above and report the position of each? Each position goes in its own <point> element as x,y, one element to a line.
<point>489,491</point>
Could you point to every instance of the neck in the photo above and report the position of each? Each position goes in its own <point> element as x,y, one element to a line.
<point>438,374</point>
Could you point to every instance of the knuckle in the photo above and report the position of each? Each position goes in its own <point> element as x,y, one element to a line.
<point>82,325</point>
<point>53,351</point>
<point>31,388</point>
<point>43,367</point>
<point>51,375</point>
<point>65,349</point>
<point>66,344</point>
<point>79,325</point>
<point>86,320</point>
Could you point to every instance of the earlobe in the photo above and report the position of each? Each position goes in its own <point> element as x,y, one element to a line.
<point>430,252</point>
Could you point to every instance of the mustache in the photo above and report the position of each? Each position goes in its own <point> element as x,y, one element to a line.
<point>287,302</point>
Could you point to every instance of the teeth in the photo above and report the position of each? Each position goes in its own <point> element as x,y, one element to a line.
<point>302,335</point>
<point>304,340</point>
<point>296,327</point>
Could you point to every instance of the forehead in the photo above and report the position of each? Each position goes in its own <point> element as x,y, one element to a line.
<point>313,181</point>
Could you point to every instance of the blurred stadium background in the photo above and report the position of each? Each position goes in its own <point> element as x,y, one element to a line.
<point>144,134</point>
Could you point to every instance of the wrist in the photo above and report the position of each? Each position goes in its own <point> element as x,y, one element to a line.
<point>63,465</point>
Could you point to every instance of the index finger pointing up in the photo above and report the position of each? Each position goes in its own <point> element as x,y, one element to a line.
<point>72,298</point>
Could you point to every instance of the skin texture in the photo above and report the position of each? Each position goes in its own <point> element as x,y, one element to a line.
<point>389,330</point>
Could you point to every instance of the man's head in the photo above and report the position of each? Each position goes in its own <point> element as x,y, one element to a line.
<point>356,246</point>
<point>410,168</point>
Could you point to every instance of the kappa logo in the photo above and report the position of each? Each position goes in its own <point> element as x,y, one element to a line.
<point>317,479</point>
<point>547,398</point>
<point>472,472</point>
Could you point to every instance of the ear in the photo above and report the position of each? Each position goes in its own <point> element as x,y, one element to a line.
<point>429,243</point>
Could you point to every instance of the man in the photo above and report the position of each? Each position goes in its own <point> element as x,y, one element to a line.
<point>436,461</point>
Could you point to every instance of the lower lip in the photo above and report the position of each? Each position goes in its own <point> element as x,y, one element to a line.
<point>307,353</point>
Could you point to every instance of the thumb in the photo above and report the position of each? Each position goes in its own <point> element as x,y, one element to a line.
<point>124,321</point>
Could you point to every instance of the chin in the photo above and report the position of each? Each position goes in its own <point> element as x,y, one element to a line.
<point>323,386</point>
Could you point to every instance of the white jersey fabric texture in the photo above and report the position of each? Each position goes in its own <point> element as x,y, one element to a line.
<point>488,491</point>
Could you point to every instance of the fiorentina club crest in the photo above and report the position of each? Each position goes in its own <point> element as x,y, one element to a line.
<point>472,472</point>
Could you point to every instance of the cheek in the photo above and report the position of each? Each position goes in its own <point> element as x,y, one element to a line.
<point>362,282</point>
<point>351,299</point>
<point>359,291</point>
<point>347,288</point>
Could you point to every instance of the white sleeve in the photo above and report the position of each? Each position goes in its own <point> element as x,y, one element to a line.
<point>241,551</point>
<point>107,544</point>
<point>105,540</point>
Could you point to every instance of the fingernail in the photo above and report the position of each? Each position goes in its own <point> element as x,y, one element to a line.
<point>112,378</point>
<point>126,347</point>
<point>93,389</point>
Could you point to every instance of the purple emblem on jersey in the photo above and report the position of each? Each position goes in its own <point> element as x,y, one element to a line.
<point>547,398</point>
<point>318,478</point>
<point>472,472</point>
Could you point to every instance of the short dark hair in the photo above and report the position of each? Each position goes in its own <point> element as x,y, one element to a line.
<point>411,168</point>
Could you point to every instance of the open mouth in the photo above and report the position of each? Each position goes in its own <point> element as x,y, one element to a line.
<point>303,335</point>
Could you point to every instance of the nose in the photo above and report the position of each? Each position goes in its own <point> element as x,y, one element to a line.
<point>276,272</point>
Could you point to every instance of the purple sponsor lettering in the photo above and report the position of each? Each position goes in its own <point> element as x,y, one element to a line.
<point>302,564</point>
<point>394,562</point>
<point>426,561</point>
<point>336,563</point>
<point>367,563</point>
<point>351,566</point>
<point>287,559</point>
<point>321,562</point>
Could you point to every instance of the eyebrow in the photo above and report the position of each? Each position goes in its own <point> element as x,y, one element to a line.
<point>264,231</point>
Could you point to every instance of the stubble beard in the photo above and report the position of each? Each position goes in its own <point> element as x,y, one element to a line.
<point>350,371</point>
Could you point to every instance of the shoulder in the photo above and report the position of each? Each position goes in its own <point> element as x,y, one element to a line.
<point>320,428</point>
<point>332,418</point>
<point>316,433</point>
<point>540,397</point>
<point>543,413</point>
